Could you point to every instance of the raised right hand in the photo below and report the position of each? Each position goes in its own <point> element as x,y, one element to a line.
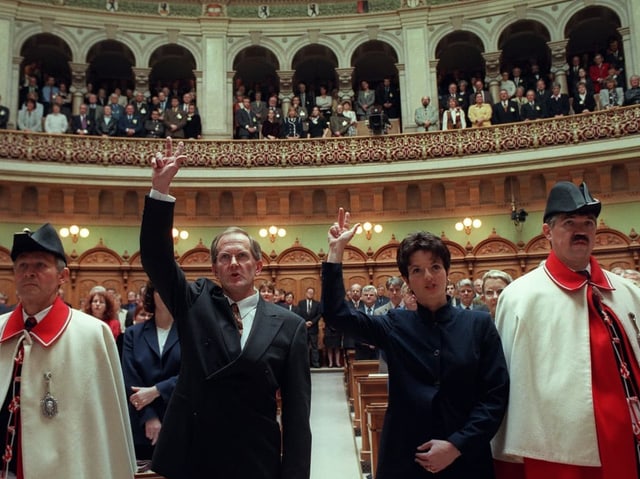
<point>165,166</point>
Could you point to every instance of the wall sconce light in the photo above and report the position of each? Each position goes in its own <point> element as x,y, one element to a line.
<point>518,216</point>
<point>179,234</point>
<point>369,229</point>
<point>272,232</point>
<point>75,232</point>
<point>468,224</point>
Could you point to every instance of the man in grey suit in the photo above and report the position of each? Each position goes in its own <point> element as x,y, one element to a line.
<point>426,116</point>
<point>237,352</point>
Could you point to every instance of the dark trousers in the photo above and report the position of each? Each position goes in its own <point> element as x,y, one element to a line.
<point>312,342</point>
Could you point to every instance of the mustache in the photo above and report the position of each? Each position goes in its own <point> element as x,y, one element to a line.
<point>579,237</point>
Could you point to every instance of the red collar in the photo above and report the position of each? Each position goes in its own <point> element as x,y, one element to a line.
<point>47,331</point>
<point>571,280</point>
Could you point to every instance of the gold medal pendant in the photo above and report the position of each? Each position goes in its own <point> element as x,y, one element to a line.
<point>48,404</point>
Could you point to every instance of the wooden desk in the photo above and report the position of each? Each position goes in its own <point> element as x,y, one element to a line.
<point>371,389</point>
<point>358,369</point>
<point>375,417</point>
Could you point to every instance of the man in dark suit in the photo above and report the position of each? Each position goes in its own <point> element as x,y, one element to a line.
<point>532,110</point>
<point>237,351</point>
<point>387,96</point>
<point>246,121</point>
<point>505,111</point>
<point>309,309</point>
<point>130,124</point>
<point>107,124</point>
<point>81,124</point>
<point>557,103</point>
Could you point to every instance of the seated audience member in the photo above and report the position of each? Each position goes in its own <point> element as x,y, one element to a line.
<point>324,102</point>
<point>82,124</point>
<point>107,124</point>
<point>612,95</point>
<point>379,123</point>
<point>100,305</point>
<point>583,102</point>
<point>480,113</point>
<point>532,110</point>
<point>174,120</point>
<point>56,122</point>
<point>493,283</point>
<point>365,100</point>
<point>150,366</point>
<point>507,84</point>
<point>4,116</point>
<point>270,127</point>
<point>632,95</point>
<point>130,124</point>
<point>29,119</point>
<point>292,126</point>
<point>193,127</point>
<point>351,115</point>
<point>557,103</point>
<point>272,104</point>
<point>153,127</point>
<point>318,127</point>
<point>506,110</point>
<point>426,116</point>
<point>582,77</point>
<point>339,123</point>
<point>388,97</point>
<point>542,93</point>
<point>453,118</point>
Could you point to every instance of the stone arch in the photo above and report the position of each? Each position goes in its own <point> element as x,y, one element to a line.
<point>523,43</point>
<point>589,30</point>
<point>459,56</point>
<point>326,41</point>
<point>188,45</point>
<point>51,53</point>
<point>256,68</point>
<point>315,65</point>
<point>110,65</point>
<point>373,61</point>
<point>171,63</point>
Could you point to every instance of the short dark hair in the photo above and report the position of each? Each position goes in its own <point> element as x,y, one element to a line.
<point>421,241</point>
<point>148,301</point>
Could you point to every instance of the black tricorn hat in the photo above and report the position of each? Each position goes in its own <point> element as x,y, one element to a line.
<point>567,198</point>
<point>44,239</point>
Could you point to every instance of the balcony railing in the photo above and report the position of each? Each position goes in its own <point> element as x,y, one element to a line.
<point>571,130</point>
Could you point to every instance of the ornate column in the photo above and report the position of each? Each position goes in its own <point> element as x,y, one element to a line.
<point>78,84</point>
<point>405,111</point>
<point>345,83</point>
<point>630,65</point>
<point>13,85</point>
<point>433,85</point>
<point>492,73</point>
<point>559,65</point>
<point>141,76</point>
<point>198,86</point>
<point>286,93</point>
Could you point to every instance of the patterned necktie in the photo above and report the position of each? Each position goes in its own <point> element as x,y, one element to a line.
<point>237,316</point>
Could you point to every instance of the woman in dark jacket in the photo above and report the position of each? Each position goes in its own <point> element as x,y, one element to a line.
<point>150,364</point>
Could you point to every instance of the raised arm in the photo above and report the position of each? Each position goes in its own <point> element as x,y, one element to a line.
<point>166,166</point>
<point>340,233</point>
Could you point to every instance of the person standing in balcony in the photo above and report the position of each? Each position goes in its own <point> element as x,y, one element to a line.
<point>29,119</point>
<point>426,116</point>
<point>4,116</point>
<point>480,113</point>
<point>175,119</point>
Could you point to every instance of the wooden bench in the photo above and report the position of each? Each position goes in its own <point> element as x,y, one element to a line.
<point>375,418</point>
<point>371,390</point>
<point>358,369</point>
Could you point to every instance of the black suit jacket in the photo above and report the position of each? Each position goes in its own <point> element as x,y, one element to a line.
<point>4,117</point>
<point>449,380</point>
<point>143,365</point>
<point>313,315</point>
<point>76,124</point>
<point>559,106</point>
<point>527,112</point>
<point>221,420</point>
<point>511,115</point>
<point>103,129</point>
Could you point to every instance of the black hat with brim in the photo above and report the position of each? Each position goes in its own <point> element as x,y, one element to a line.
<point>44,239</point>
<point>567,198</point>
